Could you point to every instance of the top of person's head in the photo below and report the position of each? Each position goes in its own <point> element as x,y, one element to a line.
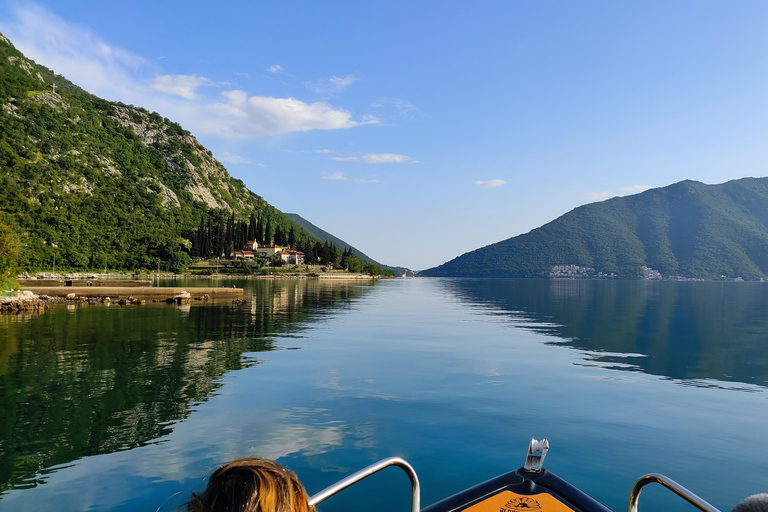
<point>755,503</point>
<point>251,484</point>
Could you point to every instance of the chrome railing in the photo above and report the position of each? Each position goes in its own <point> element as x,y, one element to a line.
<point>634,496</point>
<point>368,471</point>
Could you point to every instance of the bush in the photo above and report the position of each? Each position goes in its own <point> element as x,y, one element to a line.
<point>277,261</point>
<point>246,268</point>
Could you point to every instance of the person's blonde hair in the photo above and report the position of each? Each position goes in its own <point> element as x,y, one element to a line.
<point>252,484</point>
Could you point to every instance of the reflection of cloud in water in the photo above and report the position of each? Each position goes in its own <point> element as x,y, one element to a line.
<point>333,382</point>
<point>491,372</point>
<point>262,433</point>
<point>301,439</point>
<point>98,481</point>
<point>366,436</point>
<point>386,398</point>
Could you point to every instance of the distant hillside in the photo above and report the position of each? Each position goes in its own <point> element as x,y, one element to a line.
<point>688,229</point>
<point>94,182</point>
<point>324,236</point>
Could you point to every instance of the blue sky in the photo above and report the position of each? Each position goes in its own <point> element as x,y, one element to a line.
<point>418,131</point>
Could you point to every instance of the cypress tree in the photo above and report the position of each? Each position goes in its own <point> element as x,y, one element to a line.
<point>251,229</point>
<point>228,237</point>
<point>208,240</point>
<point>344,260</point>
<point>222,240</point>
<point>201,237</point>
<point>260,231</point>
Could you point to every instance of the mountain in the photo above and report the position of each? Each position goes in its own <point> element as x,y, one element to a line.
<point>90,182</point>
<point>341,244</point>
<point>686,229</point>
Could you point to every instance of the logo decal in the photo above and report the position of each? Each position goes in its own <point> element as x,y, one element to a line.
<point>522,503</point>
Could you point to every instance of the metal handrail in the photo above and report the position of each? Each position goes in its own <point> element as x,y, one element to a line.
<point>368,471</point>
<point>634,496</point>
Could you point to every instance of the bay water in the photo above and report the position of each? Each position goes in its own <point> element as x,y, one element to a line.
<point>132,407</point>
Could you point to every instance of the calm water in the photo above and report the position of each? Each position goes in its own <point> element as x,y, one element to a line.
<point>130,408</point>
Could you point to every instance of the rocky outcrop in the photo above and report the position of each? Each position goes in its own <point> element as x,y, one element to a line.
<point>207,180</point>
<point>23,302</point>
<point>167,195</point>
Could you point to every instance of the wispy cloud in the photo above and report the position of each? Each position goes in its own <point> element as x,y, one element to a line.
<point>378,158</point>
<point>116,74</point>
<point>490,183</point>
<point>625,191</point>
<point>276,69</point>
<point>324,151</point>
<point>598,196</point>
<point>331,85</point>
<point>233,159</point>
<point>402,109</point>
<point>337,176</point>
<point>634,189</point>
<point>73,51</point>
<point>179,85</point>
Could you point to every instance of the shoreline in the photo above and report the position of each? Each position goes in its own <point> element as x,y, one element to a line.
<point>77,278</point>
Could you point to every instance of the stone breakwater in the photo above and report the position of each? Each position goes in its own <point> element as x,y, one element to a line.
<point>25,302</point>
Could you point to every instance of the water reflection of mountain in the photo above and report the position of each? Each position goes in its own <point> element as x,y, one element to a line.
<point>99,379</point>
<point>688,331</point>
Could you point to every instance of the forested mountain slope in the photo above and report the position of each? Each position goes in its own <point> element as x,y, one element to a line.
<point>688,229</point>
<point>94,181</point>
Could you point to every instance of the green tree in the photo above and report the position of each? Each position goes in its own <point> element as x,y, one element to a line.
<point>10,250</point>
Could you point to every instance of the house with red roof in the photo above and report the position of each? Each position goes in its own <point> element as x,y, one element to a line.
<point>294,257</point>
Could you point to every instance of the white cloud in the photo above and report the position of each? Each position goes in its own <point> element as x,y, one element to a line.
<point>260,164</point>
<point>325,151</point>
<point>257,116</point>
<point>378,158</point>
<point>179,85</point>
<point>600,196</point>
<point>634,189</point>
<point>490,183</point>
<point>276,69</point>
<point>119,75</point>
<point>331,85</point>
<point>233,159</point>
<point>337,176</point>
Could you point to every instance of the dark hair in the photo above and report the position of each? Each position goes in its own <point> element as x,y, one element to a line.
<point>251,484</point>
<point>755,503</point>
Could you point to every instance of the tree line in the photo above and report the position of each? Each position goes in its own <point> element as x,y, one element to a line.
<point>218,236</point>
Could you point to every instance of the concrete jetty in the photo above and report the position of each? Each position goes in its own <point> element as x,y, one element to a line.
<point>120,283</point>
<point>118,292</point>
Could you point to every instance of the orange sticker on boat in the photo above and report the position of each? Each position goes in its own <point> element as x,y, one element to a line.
<point>508,501</point>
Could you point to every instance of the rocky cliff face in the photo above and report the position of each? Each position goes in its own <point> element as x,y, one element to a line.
<point>203,177</point>
<point>207,180</point>
<point>91,180</point>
